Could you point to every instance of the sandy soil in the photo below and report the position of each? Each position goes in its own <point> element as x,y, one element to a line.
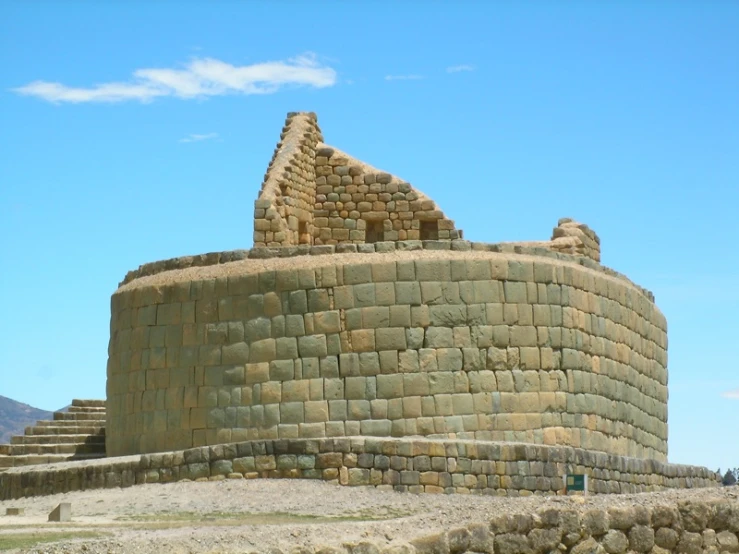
<point>254,516</point>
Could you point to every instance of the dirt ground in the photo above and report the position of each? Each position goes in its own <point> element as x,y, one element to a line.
<point>256,515</point>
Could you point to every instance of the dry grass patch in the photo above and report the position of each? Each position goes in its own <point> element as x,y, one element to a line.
<point>10,541</point>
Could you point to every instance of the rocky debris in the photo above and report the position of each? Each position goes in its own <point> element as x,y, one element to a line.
<point>325,519</point>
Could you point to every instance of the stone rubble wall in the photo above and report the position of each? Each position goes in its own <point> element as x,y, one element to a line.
<point>570,238</point>
<point>683,527</point>
<point>466,344</point>
<point>413,465</point>
<point>284,208</point>
<point>575,238</point>
<point>350,196</point>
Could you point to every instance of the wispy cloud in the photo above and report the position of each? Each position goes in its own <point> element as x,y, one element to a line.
<point>460,68</point>
<point>733,394</point>
<point>197,138</point>
<point>202,77</point>
<point>403,77</point>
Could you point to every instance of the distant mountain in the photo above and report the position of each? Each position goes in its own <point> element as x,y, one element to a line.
<point>16,416</point>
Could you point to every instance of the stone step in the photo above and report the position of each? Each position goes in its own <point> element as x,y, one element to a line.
<point>27,460</point>
<point>58,439</point>
<point>88,403</point>
<point>44,449</point>
<point>70,423</point>
<point>66,416</point>
<point>85,410</point>
<point>67,428</point>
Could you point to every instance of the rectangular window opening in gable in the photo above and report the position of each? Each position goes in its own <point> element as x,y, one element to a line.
<point>429,230</point>
<point>374,232</point>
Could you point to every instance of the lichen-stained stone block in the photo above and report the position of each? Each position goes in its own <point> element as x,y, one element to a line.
<point>312,346</point>
<point>363,340</point>
<point>357,274</point>
<point>408,293</point>
<point>392,338</point>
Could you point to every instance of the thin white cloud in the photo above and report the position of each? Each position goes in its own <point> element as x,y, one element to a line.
<point>403,77</point>
<point>460,68</point>
<point>198,138</point>
<point>202,77</point>
<point>733,394</point>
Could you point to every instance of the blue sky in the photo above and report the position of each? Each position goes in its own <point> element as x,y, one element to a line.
<point>138,131</point>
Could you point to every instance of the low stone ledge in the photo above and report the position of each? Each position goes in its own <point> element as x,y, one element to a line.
<point>262,253</point>
<point>406,464</point>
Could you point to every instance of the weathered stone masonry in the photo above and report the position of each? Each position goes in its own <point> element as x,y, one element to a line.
<point>499,348</point>
<point>315,194</point>
<point>384,323</point>
<point>409,464</point>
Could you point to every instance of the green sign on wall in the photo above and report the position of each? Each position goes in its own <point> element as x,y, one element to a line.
<point>576,483</point>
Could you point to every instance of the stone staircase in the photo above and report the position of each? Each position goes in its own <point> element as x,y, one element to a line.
<point>78,434</point>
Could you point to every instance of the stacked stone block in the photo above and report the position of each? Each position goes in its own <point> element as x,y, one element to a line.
<point>356,203</point>
<point>283,213</point>
<point>468,345</point>
<point>314,194</point>
<point>575,238</point>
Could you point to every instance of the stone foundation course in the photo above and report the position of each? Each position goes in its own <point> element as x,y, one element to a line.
<point>411,464</point>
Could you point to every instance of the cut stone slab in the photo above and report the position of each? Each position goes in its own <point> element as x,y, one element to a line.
<point>63,512</point>
<point>14,511</point>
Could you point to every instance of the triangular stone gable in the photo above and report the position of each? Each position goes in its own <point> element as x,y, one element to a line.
<point>316,194</point>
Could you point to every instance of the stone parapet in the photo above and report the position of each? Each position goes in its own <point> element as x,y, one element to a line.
<point>542,249</point>
<point>357,204</point>
<point>413,465</point>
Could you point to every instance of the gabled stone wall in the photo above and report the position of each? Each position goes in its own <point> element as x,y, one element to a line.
<point>283,213</point>
<point>315,194</point>
<point>356,203</point>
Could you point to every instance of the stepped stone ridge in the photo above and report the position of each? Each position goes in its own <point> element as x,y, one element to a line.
<point>363,340</point>
<point>77,434</point>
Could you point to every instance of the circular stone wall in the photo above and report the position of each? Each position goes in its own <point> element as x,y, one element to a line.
<point>467,344</point>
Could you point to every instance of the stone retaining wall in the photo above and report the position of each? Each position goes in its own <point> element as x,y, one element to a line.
<point>466,344</point>
<point>413,464</point>
<point>685,527</point>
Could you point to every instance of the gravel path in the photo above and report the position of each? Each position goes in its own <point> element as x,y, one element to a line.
<point>255,515</point>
